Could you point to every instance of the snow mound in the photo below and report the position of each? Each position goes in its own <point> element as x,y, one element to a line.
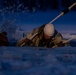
<point>37,61</point>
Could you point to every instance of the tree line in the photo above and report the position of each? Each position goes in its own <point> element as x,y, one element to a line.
<point>19,5</point>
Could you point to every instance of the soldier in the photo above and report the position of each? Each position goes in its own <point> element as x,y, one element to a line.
<point>3,39</point>
<point>46,36</point>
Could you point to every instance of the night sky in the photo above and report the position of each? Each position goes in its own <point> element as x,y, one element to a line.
<point>43,5</point>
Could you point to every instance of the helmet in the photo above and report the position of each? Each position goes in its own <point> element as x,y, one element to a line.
<point>49,29</point>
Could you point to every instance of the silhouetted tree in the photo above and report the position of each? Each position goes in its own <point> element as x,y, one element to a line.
<point>32,4</point>
<point>66,3</point>
<point>53,4</point>
<point>41,2</point>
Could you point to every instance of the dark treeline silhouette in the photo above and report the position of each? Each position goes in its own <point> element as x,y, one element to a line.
<point>19,5</point>
<point>66,3</point>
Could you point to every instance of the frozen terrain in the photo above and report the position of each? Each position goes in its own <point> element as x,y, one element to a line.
<point>37,61</point>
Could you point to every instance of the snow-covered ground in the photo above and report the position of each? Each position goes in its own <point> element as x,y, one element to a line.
<point>35,60</point>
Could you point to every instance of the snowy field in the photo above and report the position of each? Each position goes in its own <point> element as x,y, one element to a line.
<point>35,60</point>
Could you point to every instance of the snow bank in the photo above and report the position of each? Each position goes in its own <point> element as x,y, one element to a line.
<point>37,61</point>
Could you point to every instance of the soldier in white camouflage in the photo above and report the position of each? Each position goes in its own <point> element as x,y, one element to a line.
<point>46,36</point>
